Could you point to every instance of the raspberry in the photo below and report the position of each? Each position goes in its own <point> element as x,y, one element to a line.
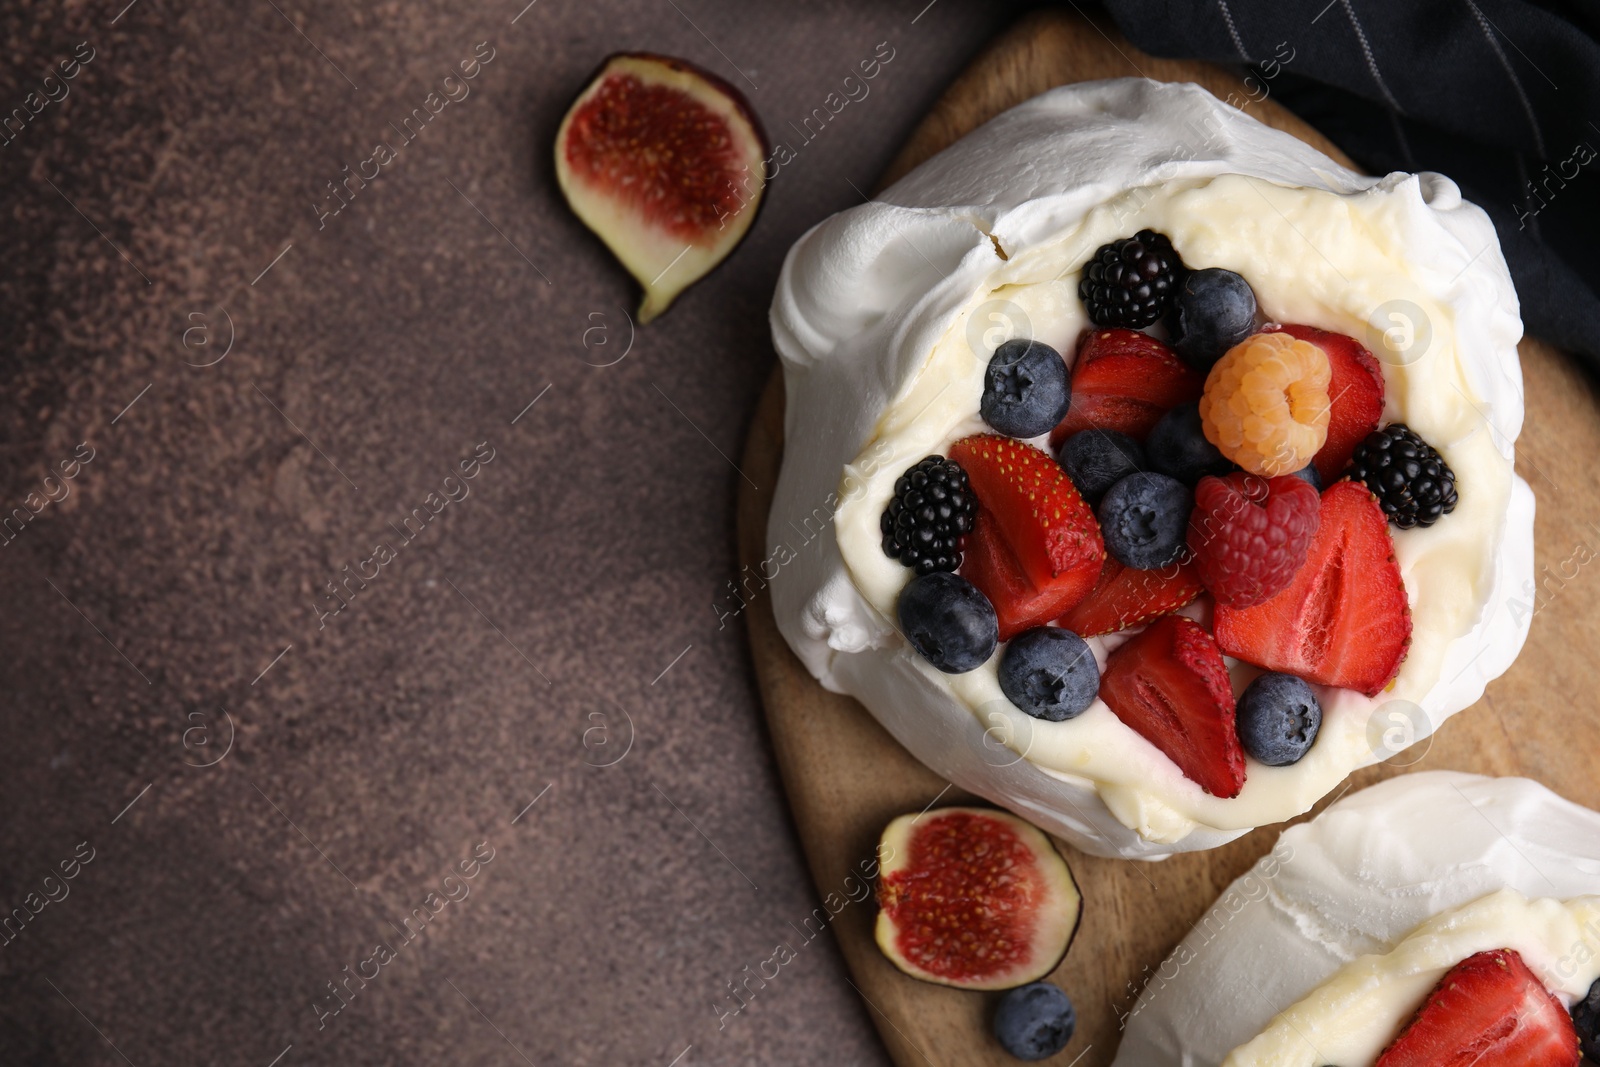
<point>1250,536</point>
<point>1266,404</point>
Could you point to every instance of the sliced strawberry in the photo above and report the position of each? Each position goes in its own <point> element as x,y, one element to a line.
<point>1127,596</point>
<point>1170,685</point>
<point>1344,619</point>
<point>1125,380</point>
<point>1487,1009</point>
<point>1355,394</point>
<point>1035,549</point>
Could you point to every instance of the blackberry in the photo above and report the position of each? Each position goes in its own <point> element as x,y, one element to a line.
<point>929,517</point>
<point>1408,476</point>
<point>1131,282</point>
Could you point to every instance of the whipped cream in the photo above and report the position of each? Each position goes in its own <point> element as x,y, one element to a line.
<point>885,318</point>
<point>1322,951</point>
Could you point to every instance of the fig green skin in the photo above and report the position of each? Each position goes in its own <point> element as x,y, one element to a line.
<point>897,835</point>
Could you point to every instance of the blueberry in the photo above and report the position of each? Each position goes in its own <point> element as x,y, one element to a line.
<point>1099,459</point>
<point>1178,447</point>
<point>1586,1019</point>
<point>1049,673</point>
<point>948,621</point>
<point>1278,719</point>
<point>1035,1021</point>
<point>1025,389</point>
<point>1309,475</point>
<point>1145,520</point>
<point>1215,310</point>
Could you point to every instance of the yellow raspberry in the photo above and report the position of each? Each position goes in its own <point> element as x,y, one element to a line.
<point>1266,405</point>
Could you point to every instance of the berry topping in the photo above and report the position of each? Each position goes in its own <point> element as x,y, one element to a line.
<point>1127,596</point>
<point>1214,310</point>
<point>1131,282</point>
<point>1144,519</point>
<point>1169,684</point>
<point>948,622</point>
<point>1487,1009</point>
<point>1413,483</point>
<point>929,517</point>
<point>1096,460</point>
<point>1049,673</point>
<point>1279,717</point>
<point>1125,380</point>
<point>1586,1020</point>
<point>1344,619</point>
<point>1035,550</point>
<point>1034,1022</point>
<point>1266,404</point>
<point>1249,536</point>
<point>1355,389</point>
<point>1178,447</point>
<point>1025,390</point>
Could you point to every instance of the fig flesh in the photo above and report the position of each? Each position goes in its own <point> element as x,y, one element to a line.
<point>973,898</point>
<point>665,163</point>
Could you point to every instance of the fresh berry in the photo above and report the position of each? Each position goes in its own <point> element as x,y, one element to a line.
<point>1127,596</point>
<point>1586,1020</point>
<point>1214,310</point>
<point>1131,282</point>
<point>1489,1009</point>
<point>1034,1022</point>
<point>1169,684</point>
<point>1144,519</point>
<point>948,622</point>
<point>1413,483</point>
<point>1125,380</point>
<point>1178,447</point>
<point>1096,460</point>
<point>1249,536</point>
<point>1042,551</point>
<point>1266,404</point>
<point>1344,619</point>
<point>1355,393</point>
<point>1311,477</point>
<point>929,517</point>
<point>1050,673</point>
<point>1279,717</point>
<point>1025,390</point>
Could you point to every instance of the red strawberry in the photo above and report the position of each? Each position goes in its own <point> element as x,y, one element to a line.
<point>1488,1009</point>
<point>1170,685</point>
<point>1355,395</point>
<point>1126,596</point>
<point>1249,535</point>
<point>1035,549</point>
<point>1344,619</point>
<point>1125,380</point>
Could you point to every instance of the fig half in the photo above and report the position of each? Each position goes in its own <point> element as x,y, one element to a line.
<point>973,898</point>
<point>665,163</point>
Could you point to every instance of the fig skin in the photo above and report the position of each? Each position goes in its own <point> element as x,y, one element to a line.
<point>666,263</point>
<point>1059,913</point>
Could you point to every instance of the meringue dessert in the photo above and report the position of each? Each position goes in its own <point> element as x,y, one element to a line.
<point>1370,935</point>
<point>1146,471</point>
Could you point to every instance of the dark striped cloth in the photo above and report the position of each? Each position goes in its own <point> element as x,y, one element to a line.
<point>1501,95</point>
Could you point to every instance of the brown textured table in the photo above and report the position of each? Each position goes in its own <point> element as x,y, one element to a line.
<point>846,776</point>
<point>177,198</point>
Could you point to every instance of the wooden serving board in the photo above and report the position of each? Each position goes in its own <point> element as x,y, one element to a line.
<point>846,777</point>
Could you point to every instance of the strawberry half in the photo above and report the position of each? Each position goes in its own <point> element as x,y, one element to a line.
<point>1355,393</point>
<point>1127,596</point>
<point>1487,1009</point>
<point>1170,685</point>
<point>1344,619</point>
<point>1125,380</point>
<point>1035,548</point>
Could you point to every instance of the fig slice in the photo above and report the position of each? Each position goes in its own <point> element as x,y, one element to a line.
<point>664,162</point>
<point>973,898</point>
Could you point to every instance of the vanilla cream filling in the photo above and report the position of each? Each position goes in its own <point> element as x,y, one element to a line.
<point>1353,1016</point>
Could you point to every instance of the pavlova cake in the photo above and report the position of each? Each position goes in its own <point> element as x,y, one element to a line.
<point>1371,937</point>
<point>1145,470</point>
